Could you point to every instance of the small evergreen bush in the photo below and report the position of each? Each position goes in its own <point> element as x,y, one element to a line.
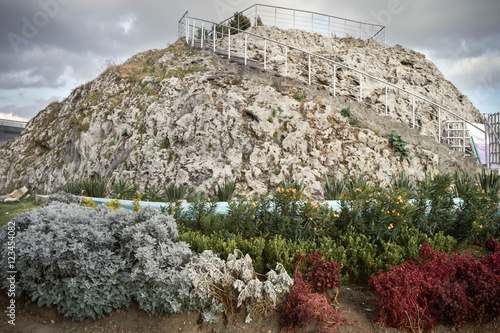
<point>346,112</point>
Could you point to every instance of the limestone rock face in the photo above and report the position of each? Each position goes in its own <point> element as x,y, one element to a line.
<point>402,67</point>
<point>190,117</point>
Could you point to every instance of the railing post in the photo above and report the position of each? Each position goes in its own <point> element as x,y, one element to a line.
<point>275,16</point>
<point>386,105</point>
<point>360,33</point>
<point>345,27</point>
<point>463,131</point>
<point>202,34</point>
<point>312,23</point>
<point>229,43</point>
<point>294,19</point>
<point>194,28</point>
<point>334,78</point>
<point>360,88</point>
<point>309,69</point>
<point>486,145</point>
<point>286,61</point>
<point>238,22</point>
<point>413,108</point>
<point>265,53</point>
<point>256,14</point>
<point>246,49</point>
<point>187,31</point>
<point>439,125</point>
<point>329,27</point>
<point>214,36</point>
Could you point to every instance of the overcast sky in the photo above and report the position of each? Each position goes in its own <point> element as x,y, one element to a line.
<point>49,47</point>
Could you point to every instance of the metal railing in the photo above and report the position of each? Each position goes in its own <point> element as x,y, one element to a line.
<point>181,27</point>
<point>288,18</point>
<point>207,32</point>
<point>457,136</point>
<point>492,124</point>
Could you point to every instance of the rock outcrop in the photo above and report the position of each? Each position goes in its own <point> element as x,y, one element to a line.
<point>187,116</point>
<point>397,65</point>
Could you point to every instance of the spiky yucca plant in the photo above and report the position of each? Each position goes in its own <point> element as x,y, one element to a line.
<point>123,189</point>
<point>226,190</point>
<point>403,183</point>
<point>333,188</point>
<point>175,193</point>
<point>152,193</point>
<point>95,188</point>
<point>489,180</point>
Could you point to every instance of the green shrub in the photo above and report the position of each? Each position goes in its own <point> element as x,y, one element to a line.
<point>476,217</point>
<point>403,183</point>
<point>196,196</point>
<point>299,96</point>
<point>346,112</point>
<point>435,208</point>
<point>289,183</point>
<point>461,181</point>
<point>377,212</point>
<point>396,142</point>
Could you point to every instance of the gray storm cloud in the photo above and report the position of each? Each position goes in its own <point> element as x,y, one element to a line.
<point>44,40</point>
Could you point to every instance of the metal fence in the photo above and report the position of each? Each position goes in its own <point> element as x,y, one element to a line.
<point>492,122</point>
<point>204,33</point>
<point>288,18</point>
<point>458,137</point>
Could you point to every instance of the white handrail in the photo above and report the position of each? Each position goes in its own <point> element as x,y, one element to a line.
<point>366,75</point>
<point>375,30</point>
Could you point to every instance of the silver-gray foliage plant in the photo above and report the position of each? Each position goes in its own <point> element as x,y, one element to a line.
<point>210,275</point>
<point>89,262</point>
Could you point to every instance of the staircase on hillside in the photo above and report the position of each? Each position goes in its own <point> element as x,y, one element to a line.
<point>452,129</point>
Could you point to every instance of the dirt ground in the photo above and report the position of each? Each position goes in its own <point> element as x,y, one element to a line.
<point>356,304</point>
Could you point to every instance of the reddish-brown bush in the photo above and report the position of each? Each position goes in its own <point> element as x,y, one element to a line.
<point>492,245</point>
<point>303,303</point>
<point>438,288</point>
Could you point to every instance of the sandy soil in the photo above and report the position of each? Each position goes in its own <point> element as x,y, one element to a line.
<point>357,306</point>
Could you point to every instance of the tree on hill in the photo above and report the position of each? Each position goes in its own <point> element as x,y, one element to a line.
<point>240,22</point>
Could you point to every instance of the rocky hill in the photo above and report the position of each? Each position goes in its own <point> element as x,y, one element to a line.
<point>397,65</point>
<point>188,116</point>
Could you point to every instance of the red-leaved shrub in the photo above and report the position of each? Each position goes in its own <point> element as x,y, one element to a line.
<point>303,304</point>
<point>492,261</point>
<point>321,275</point>
<point>438,289</point>
<point>492,245</point>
